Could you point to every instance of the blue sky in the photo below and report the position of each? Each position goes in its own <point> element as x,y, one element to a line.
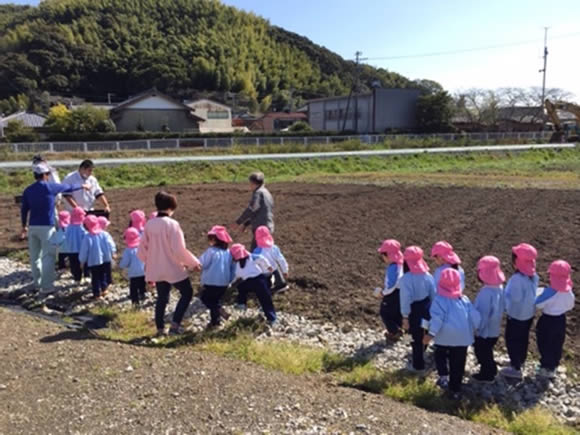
<point>390,28</point>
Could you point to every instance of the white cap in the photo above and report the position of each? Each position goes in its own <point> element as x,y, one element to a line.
<point>41,168</point>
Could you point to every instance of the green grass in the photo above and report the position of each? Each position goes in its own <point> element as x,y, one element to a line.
<point>536,164</point>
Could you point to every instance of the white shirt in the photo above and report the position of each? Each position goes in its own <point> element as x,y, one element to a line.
<point>256,265</point>
<point>84,198</point>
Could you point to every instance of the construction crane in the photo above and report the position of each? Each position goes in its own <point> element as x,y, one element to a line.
<point>559,132</point>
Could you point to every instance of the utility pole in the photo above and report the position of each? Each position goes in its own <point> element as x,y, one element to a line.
<point>356,91</point>
<point>543,70</point>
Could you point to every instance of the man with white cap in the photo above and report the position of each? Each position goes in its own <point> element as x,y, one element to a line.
<point>38,219</point>
<point>85,199</point>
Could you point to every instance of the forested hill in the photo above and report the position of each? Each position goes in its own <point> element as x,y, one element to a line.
<point>94,47</point>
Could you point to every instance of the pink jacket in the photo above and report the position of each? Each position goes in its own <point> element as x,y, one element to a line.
<point>162,250</point>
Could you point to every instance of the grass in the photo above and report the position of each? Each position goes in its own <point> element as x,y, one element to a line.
<point>534,165</point>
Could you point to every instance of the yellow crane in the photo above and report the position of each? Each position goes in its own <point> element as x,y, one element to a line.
<point>559,132</point>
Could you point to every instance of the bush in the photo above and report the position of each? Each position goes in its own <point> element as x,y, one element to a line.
<point>300,126</point>
<point>16,131</point>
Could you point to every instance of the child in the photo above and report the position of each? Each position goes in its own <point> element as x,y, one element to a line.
<point>94,252</point>
<point>104,224</point>
<point>58,237</point>
<point>267,248</point>
<point>491,305</point>
<point>554,302</point>
<point>445,257</point>
<point>251,270</point>
<point>134,266</point>
<point>138,220</point>
<point>452,324</point>
<point>217,271</point>
<point>520,298</point>
<point>73,237</point>
<point>417,292</point>
<point>391,254</point>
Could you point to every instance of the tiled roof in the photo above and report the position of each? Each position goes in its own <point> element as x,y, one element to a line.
<point>28,119</point>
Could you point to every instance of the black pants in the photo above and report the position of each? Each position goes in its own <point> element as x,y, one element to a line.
<point>137,288</point>
<point>163,290</point>
<point>450,361</point>
<point>419,311</point>
<point>212,296</point>
<point>108,273</point>
<point>517,335</point>
<point>391,312</point>
<point>75,267</point>
<point>550,335</point>
<point>260,287</point>
<point>483,348</point>
<point>98,280</point>
<point>62,261</point>
<point>278,283</point>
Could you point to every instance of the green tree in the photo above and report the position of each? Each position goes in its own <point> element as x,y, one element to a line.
<point>16,131</point>
<point>434,112</point>
<point>300,126</point>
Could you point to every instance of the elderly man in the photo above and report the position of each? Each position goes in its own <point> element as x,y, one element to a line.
<point>38,202</point>
<point>260,211</point>
<point>85,199</point>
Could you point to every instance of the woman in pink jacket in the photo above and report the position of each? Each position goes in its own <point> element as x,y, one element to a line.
<point>162,250</point>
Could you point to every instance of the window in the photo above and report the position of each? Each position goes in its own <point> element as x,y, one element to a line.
<point>218,114</point>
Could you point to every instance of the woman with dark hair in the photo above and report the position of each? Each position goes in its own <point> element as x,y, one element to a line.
<point>167,261</point>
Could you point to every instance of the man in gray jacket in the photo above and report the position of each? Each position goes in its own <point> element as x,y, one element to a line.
<point>260,211</point>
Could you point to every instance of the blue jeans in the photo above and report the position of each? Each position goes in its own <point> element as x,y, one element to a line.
<point>42,256</point>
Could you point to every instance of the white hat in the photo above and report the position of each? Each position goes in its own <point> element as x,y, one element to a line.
<point>41,168</point>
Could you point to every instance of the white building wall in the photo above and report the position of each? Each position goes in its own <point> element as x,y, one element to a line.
<point>205,108</point>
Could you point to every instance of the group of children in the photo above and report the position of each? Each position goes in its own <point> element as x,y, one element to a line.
<point>434,308</point>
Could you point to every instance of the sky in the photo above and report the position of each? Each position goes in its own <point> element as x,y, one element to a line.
<point>395,28</point>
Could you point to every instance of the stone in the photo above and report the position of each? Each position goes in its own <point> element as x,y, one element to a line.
<point>3,387</point>
<point>129,369</point>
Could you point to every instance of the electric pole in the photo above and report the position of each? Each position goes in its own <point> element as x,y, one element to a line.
<point>543,70</point>
<point>356,90</point>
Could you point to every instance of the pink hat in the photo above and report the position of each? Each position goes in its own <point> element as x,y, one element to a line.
<point>221,233</point>
<point>525,258</point>
<point>132,237</point>
<point>63,219</point>
<point>489,270</point>
<point>239,251</point>
<point>414,258</point>
<point>449,285</point>
<point>77,216</point>
<point>263,237</point>
<point>153,215</point>
<point>103,222</point>
<point>560,279</point>
<point>444,250</point>
<point>392,248</point>
<point>92,224</point>
<point>138,219</point>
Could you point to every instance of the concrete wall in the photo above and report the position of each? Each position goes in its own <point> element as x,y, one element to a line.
<point>204,109</point>
<point>395,108</point>
<point>329,114</point>
<point>153,120</point>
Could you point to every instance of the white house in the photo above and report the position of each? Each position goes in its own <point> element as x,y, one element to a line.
<point>218,117</point>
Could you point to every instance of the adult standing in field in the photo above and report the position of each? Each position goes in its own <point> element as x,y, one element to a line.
<point>260,211</point>
<point>53,177</point>
<point>38,219</point>
<point>85,199</point>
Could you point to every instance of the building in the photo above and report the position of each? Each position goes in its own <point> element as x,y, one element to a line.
<point>154,111</point>
<point>377,111</point>
<point>520,118</point>
<point>28,119</point>
<point>277,121</point>
<point>218,117</point>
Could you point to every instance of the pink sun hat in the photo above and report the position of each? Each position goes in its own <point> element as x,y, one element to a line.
<point>103,222</point>
<point>77,216</point>
<point>444,250</point>
<point>152,215</point>
<point>138,219</point>
<point>239,251</point>
<point>91,222</point>
<point>221,233</point>
<point>525,258</point>
<point>63,219</point>
<point>449,285</point>
<point>392,248</point>
<point>560,276</point>
<point>414,258</point>
<point>263,237</point>
<point>132,237</point>
<point>489,270</point>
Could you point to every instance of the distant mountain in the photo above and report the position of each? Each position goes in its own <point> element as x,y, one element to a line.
<point>90,48</point>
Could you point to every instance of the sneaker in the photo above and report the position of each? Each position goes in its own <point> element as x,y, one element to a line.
<point>241,307</point>
<point>176,330</point>
<point>224,313</point>
<point>443,382</point>
<point>412,369</point>
<point>510,372</point>
<point>392,338</point>
<point>161,333</point>
<point>281,289</point>
<point>478,377</point>
<point>545,373</point>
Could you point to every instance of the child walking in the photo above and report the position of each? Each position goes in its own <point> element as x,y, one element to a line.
<point>251,270</point>
<point>267,248</point>
<point>452,325</point>
<point>217,272</point>
<point>390,311</point>
<point>446,257</point>
<point>104,224</point>
<point>73,237</point>
<point>490,305</point>
<point>417,292</point>
<point>138,220</point>
<point>520,298</point>
<point>555,301</point>
<point>58,237</point>
<point>134,266</point>
<point>94,251</point>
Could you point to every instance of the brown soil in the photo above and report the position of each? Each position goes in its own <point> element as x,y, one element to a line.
<point>329,234</point>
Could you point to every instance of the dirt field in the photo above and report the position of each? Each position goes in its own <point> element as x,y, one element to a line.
<point>330,233</point>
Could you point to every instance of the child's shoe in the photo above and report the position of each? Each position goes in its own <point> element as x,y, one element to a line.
<point>225,315</point>
<point>161,333</point>
<point>392,338</point>
<point>478,377</point>
<point>176,330</point>
<point>412,369</point>
<point>545,373</point>
<point>443,382</point>
<point>510,372</point>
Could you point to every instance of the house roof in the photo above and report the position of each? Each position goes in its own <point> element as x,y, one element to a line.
<point>28,119</point>
<point>285,115</point>
<point>341,97</point>
<point>524,114</point>
<point>205,100</point>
